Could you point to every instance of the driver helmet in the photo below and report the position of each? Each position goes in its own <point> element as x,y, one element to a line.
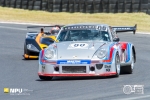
<point>54,30</point>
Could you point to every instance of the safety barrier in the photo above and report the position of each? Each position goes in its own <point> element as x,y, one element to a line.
<point>85,6</point>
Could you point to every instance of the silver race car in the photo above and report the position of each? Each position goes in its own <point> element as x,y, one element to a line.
<point>87,50</point>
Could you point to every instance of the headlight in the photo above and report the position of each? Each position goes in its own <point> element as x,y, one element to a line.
<point>49,54</point>
<point>32,47</point>
<point>101,53</point>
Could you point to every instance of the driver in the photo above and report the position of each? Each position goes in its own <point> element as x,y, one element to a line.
<point>38,37</point>
<point>54,30</point>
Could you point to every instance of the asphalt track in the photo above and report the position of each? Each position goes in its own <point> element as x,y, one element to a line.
<point>15,72</point>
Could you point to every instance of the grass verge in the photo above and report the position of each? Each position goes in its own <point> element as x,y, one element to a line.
<point>43,17</point>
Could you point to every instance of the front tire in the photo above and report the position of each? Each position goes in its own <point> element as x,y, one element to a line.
<point>45,77</point>
<point>25,51</point>
<point>129,69</point>
<point>117,65</point>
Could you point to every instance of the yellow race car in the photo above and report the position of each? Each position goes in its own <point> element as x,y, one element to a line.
<point>37,41</point>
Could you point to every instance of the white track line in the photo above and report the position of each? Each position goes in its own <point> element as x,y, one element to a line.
<point>22,23</point>
<point>15,28</point>
<point>136,98</point>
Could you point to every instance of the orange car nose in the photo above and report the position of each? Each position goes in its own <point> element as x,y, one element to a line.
<point>30,57</point>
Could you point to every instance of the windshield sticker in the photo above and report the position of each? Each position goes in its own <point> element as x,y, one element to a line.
<point>80,27</point>
<point>101,28</point>
<point>98,28</point>
<point>104,28</point>
<point>78,46</point>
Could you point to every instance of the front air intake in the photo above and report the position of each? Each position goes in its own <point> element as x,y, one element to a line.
<point>99,66</point>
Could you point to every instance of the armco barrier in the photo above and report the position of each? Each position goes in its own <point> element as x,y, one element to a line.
<point>85,6</point>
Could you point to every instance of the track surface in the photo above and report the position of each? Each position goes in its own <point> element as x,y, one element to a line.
<point>15,72</point>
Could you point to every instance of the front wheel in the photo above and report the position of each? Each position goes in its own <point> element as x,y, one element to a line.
<point>45,77</point>
<point>129,68</point>
<point>117,65</point>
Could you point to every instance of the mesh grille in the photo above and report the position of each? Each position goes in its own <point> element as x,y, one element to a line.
<point>74,69</point>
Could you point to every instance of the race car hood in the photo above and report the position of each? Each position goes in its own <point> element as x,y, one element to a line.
<point>77,50</point>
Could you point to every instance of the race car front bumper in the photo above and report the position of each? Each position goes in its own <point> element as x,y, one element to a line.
<point>93,69</point>
<point>30,56</point>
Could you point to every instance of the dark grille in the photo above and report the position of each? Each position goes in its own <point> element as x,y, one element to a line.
<point>74,69</point>
<point>99,66</point>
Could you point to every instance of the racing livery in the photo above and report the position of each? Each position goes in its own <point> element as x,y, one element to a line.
<point>86,50</point>
<point>33,45</point>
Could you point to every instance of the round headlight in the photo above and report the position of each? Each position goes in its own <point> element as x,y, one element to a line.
<point>101,53</point>
<point>49,54</point>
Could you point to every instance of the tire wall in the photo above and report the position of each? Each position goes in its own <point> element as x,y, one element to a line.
<point>128,6</point>
<point>71,6</point>
<point>113,6</point>
<point>148,7</point>
<point>84,6</point>
<point>57,5</point>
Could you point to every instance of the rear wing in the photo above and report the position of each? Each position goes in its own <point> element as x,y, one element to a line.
<point>34,30</point>
<point>125,28</point>
<point>45,26</point>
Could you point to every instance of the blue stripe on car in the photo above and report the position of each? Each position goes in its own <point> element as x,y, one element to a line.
<point>128,52</point>
<point>73,61</point>
<point>109,51</point>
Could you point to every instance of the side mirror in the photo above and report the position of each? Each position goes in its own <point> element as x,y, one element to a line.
<point>116,39</point>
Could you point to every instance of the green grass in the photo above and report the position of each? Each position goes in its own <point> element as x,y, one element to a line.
<point>117,19</point>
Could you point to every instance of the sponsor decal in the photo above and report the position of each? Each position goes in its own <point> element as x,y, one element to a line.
<point>123,28</point>
<point>73,62</point>
<point>81,27</point>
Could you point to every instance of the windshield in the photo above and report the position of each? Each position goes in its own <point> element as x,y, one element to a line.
<point>83,35</point>
<point>46,41</point>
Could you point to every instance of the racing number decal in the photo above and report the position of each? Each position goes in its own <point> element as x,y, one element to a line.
<point>101,28</point>
<point>79,46</point>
